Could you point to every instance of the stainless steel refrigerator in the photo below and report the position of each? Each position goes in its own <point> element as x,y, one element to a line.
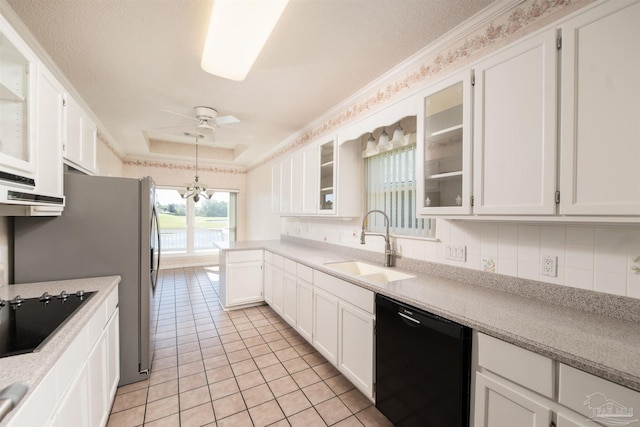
<point>109,227</point>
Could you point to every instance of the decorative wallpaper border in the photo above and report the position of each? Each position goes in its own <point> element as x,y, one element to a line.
<point>177,166</point>
<point>501,28</point>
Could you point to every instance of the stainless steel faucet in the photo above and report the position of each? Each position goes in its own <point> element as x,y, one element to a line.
<point>388,252</point>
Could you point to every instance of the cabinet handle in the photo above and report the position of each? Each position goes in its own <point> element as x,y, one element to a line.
<point>553,424</point>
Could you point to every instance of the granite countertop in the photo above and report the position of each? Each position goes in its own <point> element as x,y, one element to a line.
<point>605,346</point>
<point>31,368</point>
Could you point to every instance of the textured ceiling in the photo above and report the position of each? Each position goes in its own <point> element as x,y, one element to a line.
<point>130,60</point>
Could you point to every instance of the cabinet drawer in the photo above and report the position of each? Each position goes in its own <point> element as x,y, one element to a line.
<point>353,294</point>
<point>589,395</point>
<point>521,366</point>
<point>241,256</point>
<point>268,257</point>
<point>290,266</point>
<point>305,273</point>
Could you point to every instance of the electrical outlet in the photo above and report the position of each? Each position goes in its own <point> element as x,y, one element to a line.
<point>549,266</point>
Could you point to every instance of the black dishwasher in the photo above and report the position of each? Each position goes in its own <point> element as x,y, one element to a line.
<point>423,367</point>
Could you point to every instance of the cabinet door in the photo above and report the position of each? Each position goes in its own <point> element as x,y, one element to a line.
<point>113,356</point>
<point>278,290</point>
<point>97,396</point>
<point>50,132</point>
<point>290,299</point>
<point>73,131</point>
<point>325,325</point>
<point>600,149</point>
<point>327,177</point>
<point>244,282</point>
<point>74,408</point>
<point>89,140</point>
<point>268,283</point>
<point>18,71</point>
<point>514,138</point>
<point>310,179</point>
<point>276,172</point>
<point>305,310</point>
<point>500,405</point>
<point>355,347</point>
<point>564,420</point>
<point>297,180</point>
<point>444,151</point>
<point>285,186</point>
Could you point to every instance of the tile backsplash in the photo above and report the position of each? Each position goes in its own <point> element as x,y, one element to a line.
<point>603,258</point>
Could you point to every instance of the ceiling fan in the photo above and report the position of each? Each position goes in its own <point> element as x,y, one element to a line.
<point>207,121</point>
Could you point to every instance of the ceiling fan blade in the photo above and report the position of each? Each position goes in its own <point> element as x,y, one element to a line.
<point>226,120</point>
<point>178,114</point>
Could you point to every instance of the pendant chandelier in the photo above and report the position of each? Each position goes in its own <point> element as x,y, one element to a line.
<point>195,189</point>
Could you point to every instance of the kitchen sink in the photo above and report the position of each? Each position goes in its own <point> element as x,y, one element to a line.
<point>367,271</point>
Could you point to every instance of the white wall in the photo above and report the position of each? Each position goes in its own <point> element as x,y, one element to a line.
<point>109,163</point>
<point>261,223</point>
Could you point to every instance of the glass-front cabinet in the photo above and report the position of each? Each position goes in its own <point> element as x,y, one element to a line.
<point>327,178</point>
<point>17,83</point>
<point>444,147</point>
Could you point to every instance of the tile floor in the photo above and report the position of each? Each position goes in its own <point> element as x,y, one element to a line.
<point>240,368</point>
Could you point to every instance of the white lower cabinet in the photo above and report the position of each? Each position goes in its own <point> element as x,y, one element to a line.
<point>290,293</point>
<point>343,328</point>
<point>241,278</point>
<point>81,386</point>
<point>278,284</point>
<point>355,346</point>
<point>268,278</point>
<point>516,387</point>
<point>325,324</point>
<point>305,310</point>
<point>498,405</point>
<point>290,299</point>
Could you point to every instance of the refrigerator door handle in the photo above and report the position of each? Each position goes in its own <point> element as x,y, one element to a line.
<point>155,268</point>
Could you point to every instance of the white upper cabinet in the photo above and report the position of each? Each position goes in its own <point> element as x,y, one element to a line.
<point>600,154</point>
<point>443,156</point>
<point>286,169</point>
<point>50,134</point>
<point>515,109</point>
<point>80,137</point>
<point>319,180</point>
<point>18,71</point>
<point>276,174</point>
<point>309,180</point>
<point>327,177</point>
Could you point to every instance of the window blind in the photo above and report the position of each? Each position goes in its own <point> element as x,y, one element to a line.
<point>391,187</point>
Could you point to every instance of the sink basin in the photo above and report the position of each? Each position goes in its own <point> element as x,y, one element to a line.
<point>367,271</point>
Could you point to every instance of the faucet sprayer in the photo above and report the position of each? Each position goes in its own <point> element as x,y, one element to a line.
<point>389,253</point>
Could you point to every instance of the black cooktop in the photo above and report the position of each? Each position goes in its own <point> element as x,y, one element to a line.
<point>26,324</point>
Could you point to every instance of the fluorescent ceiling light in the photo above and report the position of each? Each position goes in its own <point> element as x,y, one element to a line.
<point>238,30</point>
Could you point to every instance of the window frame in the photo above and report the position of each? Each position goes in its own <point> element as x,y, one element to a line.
<point>190,228</point>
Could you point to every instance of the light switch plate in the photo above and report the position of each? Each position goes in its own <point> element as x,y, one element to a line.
<point>456,253</point>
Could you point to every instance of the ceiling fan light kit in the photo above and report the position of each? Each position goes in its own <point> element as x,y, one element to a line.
<point>237,32</point>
